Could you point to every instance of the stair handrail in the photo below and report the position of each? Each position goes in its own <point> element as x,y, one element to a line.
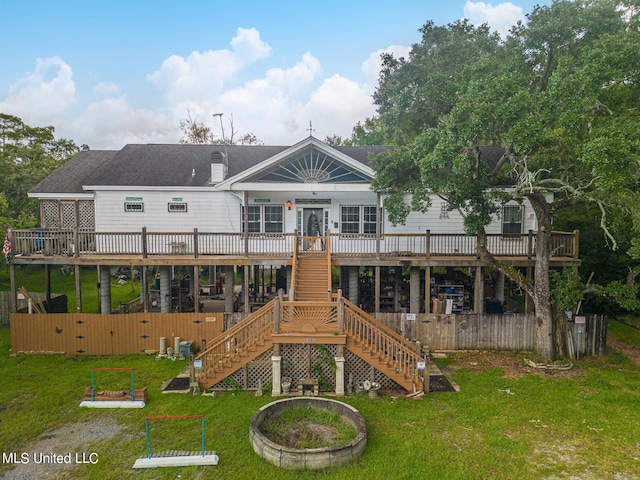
<point>230,343</point>
<point>292,288</point>
<point>328,252</point>
<point>363,327</point>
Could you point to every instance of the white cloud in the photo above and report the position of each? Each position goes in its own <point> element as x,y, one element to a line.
<point>372,65</point>
<point>43,95</point>
<point>204,74</point>
<point>106,88</point>
<point>500,18</point>
<point>276,105</point>
<point>114,122</point>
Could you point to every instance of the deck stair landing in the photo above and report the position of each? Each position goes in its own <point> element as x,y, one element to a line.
<point>312,313</point>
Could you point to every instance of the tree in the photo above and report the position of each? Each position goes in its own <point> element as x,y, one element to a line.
<point>199,133</point>
<point>27,155</point>
<point>559,96</point>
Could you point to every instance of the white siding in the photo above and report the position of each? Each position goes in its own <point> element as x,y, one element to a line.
<point>220,212</point>
<point>206,211</point>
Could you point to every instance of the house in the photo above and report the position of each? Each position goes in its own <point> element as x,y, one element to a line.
<point>317,255</point>
<point>238,207</point>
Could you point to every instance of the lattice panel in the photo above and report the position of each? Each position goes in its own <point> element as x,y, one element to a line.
<point>298,362</point>
<point>259,370</point>
<point>50,214</point>
<point>87,215</point>
<point>361,371</point>
<point>68,214</point>
<point>295,364</point>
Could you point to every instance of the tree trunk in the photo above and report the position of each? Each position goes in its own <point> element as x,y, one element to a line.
<point>545,346</point>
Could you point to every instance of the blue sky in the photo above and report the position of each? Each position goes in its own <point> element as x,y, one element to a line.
<point>123,71</point>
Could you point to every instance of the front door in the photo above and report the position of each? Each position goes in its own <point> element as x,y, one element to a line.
<point>312,222</point>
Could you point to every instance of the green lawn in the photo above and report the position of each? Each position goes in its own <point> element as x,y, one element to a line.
<point>33,279</point>
<point>504,423</point>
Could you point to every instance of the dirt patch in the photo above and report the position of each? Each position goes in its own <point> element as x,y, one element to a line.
<point>302,433</point>
<point>307,428</point>
<point>56,453</point>
<point>513,365</point>
<point>629,351</point>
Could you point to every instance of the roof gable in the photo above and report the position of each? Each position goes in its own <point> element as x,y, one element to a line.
<point>309,161</point>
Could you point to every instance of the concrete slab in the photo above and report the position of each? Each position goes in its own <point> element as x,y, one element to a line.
<point>209,458</point>
<point>113,404</point>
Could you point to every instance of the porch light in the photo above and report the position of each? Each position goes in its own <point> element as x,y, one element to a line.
<point>289,204</point>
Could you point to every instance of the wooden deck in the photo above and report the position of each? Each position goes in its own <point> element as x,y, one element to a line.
<point>87,247</point>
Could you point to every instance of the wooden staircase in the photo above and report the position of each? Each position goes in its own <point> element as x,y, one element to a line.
<point>311,311</point>
<point>312,279</point>
<point>236,347</point>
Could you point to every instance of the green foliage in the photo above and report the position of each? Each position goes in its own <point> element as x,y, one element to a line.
<point>326,359</point>
<point>27,155</point>
<point>566,288</point>
<point>558,97</point>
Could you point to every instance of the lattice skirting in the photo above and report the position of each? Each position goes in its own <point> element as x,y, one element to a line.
<point>306,361</point>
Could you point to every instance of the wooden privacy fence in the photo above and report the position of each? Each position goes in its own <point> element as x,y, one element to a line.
<point>493,332</point>
<point>95,334</point>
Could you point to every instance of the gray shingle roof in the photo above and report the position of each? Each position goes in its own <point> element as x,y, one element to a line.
<point>163,165</point>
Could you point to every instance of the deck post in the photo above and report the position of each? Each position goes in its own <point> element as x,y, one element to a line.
<point>245,220</point>
<point>478,291</point>
<point>144,289</point>
<point>228,289</point>
<point>414,289</point>
<point>427,248</point>
<point>378,224</point>
<point>530,244</point>
<point>144,242</point>
<point>104,279</point>
<point>76,242</point>
<point>427,289</point>
<point>14,289</point>
<point>78,290</point>
<point>195,243</point>
<point>376,295</point>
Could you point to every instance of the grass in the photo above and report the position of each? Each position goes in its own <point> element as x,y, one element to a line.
<point>33,279</point>
<point>582,425</point>
<point>306,427</point>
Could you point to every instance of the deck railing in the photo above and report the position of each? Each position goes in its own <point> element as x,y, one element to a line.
<point>222,352</point>
<point>382,342</point>
<point>84,242</point>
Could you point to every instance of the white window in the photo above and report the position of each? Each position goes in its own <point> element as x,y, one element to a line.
<point>273,219</point>
<point>358,219</point>
<point>133,207</point>
<point>265,218</point>
<point>512,216</point>
<point>176,207</point>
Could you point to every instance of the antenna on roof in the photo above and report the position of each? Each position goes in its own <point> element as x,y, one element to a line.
<point>311,129</point>
<point>224,142</point>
